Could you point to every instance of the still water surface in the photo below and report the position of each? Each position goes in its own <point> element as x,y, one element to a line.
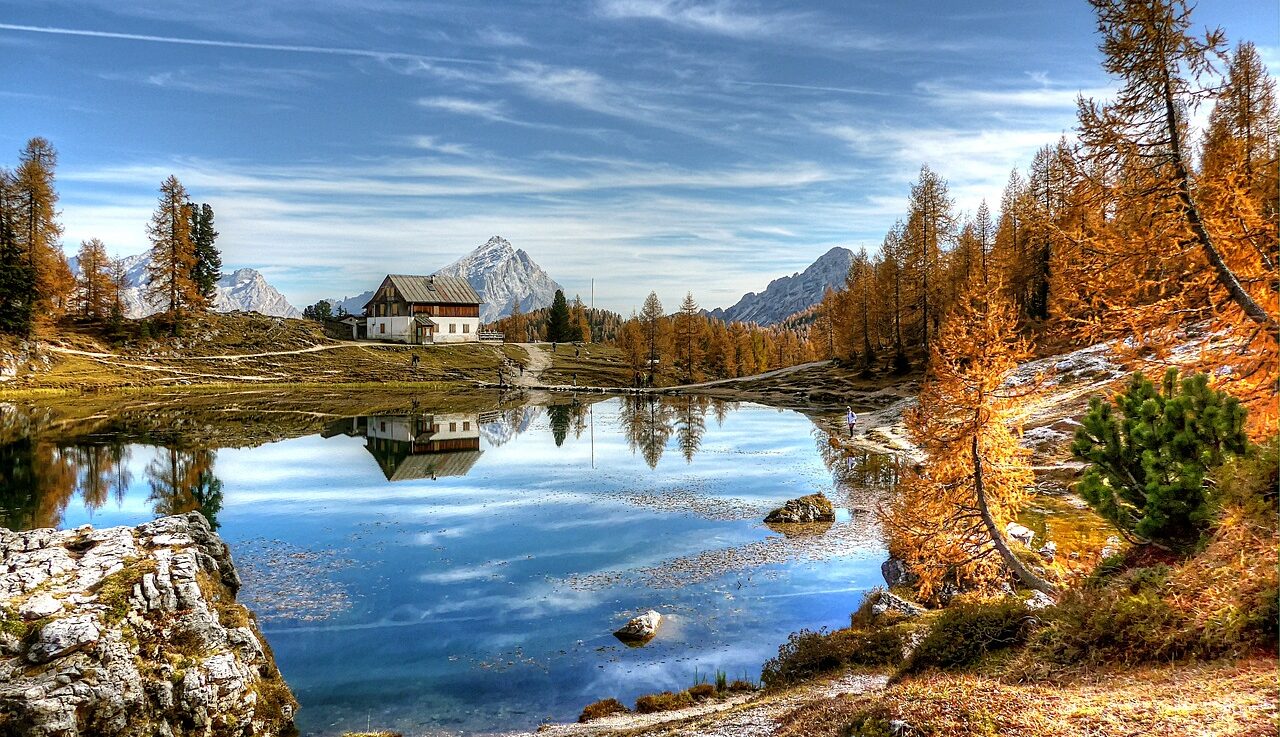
<point>463,572</point>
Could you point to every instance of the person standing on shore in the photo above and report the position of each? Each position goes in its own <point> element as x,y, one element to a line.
<point>852,418</point>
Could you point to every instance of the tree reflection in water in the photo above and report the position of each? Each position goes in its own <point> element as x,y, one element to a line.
<point>39,479</point>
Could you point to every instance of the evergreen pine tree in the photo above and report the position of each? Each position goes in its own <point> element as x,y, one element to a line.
<point>17,276</point>
<point>559,328</point>
<point>208,267</point>
<point>1147,466</point>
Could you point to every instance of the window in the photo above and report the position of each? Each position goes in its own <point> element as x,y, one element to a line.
<point>453,327</point>
<point>453,427</point>
<point>382,327</point>
<point>466,426</point>
<point>466,327</point>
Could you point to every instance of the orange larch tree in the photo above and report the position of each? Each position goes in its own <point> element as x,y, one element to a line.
<point>947,520</point>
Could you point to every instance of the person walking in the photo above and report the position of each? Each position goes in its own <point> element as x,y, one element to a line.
<point>852,418</point>
<point>577,351</point>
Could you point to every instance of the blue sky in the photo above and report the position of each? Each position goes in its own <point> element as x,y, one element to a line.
<point>665,144</point>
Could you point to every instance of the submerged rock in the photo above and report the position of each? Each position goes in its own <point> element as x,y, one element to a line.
<point>810,508</point>
<point>640,629</point>
<point>1048,551</point>
<point>1020,533</point>
<point>132,631</point>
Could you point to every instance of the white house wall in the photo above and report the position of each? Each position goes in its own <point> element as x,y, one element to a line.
<point>400,329</point>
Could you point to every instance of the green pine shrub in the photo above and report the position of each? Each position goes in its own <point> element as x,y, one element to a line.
<point>1149,455</point>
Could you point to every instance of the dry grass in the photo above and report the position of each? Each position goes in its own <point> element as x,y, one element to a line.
<point>1210,700</point>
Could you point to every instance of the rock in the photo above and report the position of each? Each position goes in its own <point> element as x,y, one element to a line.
<point>1048,551</point>
<point>640,629</point>
<point>1111,547</point>
<point>39,607</point>
<point>1017,532</point>
<point>888,602</point>
<point>896,573</point>
<point>115,609</point>
<point>63,636</point>
<point>899,728</point>
<point>1039,600</point>
<point>811,508</point>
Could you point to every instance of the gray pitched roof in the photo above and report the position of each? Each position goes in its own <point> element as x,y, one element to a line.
<point>450,289</point>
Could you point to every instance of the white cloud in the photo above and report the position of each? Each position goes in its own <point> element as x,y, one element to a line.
<point>719,17</point>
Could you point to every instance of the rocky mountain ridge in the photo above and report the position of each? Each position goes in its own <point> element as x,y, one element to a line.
<point>500,273</point>
<point>787,295</point>
<point>244,290</point>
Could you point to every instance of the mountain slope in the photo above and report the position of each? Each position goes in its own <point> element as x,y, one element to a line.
<point>246,290</point>
<point>788,295</point>
<point>503,276</point>
<point>500,274</point>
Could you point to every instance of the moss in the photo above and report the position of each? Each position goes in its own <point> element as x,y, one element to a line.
<point>12,624</point>
<point>601,709</point>
<point>115,590</point>
<point>275,706</point>
<point>964,633</point>
<point>230,613</point>
<point>665,701</point>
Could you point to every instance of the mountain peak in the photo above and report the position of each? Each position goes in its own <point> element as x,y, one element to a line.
<point>788,295</point>
<point>496,244</point>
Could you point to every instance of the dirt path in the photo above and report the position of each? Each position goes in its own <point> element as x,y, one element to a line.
<point>753,717</point>
<point>219,357</point>
<point>538,362</point>
<point>754,377</point>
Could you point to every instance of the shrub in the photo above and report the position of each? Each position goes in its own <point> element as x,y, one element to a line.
<point>701,691</point>
<point>807,653</point>
<point>601,709</point>
<point>1147,467</point>
<point>665,701</point>
<point>740,685</point>
<point>966,632</point>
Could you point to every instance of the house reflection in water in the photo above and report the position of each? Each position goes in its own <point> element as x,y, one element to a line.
<point>423,446</point>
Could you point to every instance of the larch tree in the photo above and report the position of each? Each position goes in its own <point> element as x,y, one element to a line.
<point>651,319</point>
<point>947,520</point>
<point>37,227</point>
<point>687,337</point>
<point>94,287</point>
<point>930,229</point>
<point>171,286</point>
<point>1193,229</point>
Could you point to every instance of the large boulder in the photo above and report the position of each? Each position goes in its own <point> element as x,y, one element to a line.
<point>896,573</point>
<point>887,602</point>
<point>641,629</point>
<point>124,632</point>
<point>810,508</point>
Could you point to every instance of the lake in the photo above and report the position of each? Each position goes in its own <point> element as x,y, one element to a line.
<point>455,571</point>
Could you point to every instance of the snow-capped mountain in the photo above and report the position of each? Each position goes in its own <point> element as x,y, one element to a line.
<point>501,274</point>
<point>788,295</point>
<point>243,289</point>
